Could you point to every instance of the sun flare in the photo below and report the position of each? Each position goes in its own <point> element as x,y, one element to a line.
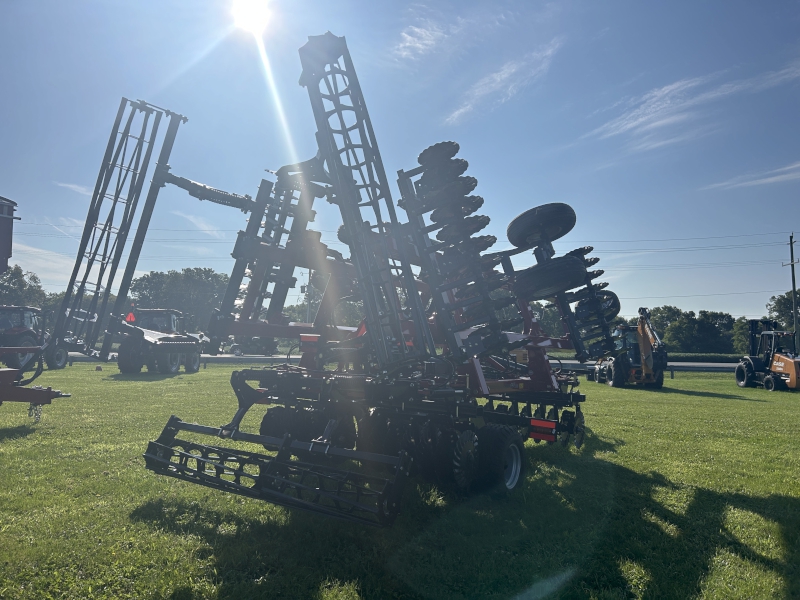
<point>251,15</point>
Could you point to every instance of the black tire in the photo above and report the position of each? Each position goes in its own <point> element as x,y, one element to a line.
<point>192,364</point>
<point>615,375</point>
<point>502,462</point>
<point>744,375</point>
<point>56,357</point>
<point>549,278</point>
<point>129,358</point>
<point>659,380</point>
<point>544,223</point>
<point>770,384</point>
<point>277,421</point>
<point>466,451</point>
<point>168,363</point>
<point>21,361</point>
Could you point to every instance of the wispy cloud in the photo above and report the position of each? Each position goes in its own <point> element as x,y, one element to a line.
<point>201,224</point>
<point>78,189</point>
<point>418,40</point>
<point>661,116</point>
<point>432,32</point>
<point>506,82</point>
<point>53,268</point>
<point>787,173</point>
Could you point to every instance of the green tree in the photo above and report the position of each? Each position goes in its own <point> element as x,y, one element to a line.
<point>714,332</point>
<point>663,316</point>
<point>549,318</point>
<point>681,334</point>
<point>21,289</point>
<point>780,309</point>
<point>193,291</point>
<point>741,336</point>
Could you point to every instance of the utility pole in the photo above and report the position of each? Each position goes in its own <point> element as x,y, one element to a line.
<point>792,263</point>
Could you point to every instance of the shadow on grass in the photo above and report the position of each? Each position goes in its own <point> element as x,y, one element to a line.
<point>580,527</point>
<point>143,376</point>
<point>13,433</point>
<point>700,394</point>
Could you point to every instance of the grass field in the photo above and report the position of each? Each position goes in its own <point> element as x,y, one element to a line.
<point>692,491</point>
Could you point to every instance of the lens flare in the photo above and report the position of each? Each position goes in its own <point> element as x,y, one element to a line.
<point>276,99</point>
<point>251,15</point>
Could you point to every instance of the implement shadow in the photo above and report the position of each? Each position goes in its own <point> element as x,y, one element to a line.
<point>142,376</point>
<point>286,554</point>
<point>13,433</point>
<point>715,395</point>
<point>675,546</point>
<point>576,529</point>
<point>586,525</point>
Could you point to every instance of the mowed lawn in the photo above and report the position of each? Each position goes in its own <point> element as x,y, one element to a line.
<point>691,491</point>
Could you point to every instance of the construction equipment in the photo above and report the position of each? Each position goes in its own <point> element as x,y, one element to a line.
<point>23,340</point>
<point>639,356</point>
<point>84,314</point>
<point>22,345</point>
<point>20,326</point>
<point>772,360</point>
<point>12,388</point>
<point>156,338</point>
<point>427,382</point>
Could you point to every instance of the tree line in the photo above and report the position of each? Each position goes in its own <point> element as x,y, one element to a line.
<point>193,291</point>
<point>198,291</point>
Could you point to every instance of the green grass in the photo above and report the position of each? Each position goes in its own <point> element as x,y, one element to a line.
<point>687,492</point>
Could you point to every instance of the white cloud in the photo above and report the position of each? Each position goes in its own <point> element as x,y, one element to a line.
<point>418,40</point>
<point>201,224</point>
<point>78,189</point>
<point>788,173</point>
<point>650,120</point>
<point>433,32</point>
<point>506,82</point>
<point>53,268</point>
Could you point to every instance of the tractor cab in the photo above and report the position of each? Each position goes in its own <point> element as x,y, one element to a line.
<point>626,338</point>
<point>164,320</point>
<point>15,320</point>
<point>20,326</point>
<point>775,342</point>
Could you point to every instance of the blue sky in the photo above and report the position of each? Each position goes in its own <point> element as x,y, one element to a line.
<point>672,128</point>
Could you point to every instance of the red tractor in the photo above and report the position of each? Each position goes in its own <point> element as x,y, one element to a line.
<point>20,326</point>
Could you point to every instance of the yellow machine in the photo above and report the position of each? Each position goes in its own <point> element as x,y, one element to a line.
<point>639,356</point>
<point>772,361</point>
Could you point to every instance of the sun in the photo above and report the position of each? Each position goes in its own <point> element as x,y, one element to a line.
<point>251,15</point>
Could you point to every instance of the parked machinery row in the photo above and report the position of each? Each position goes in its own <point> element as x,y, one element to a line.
<point>429,382</point>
